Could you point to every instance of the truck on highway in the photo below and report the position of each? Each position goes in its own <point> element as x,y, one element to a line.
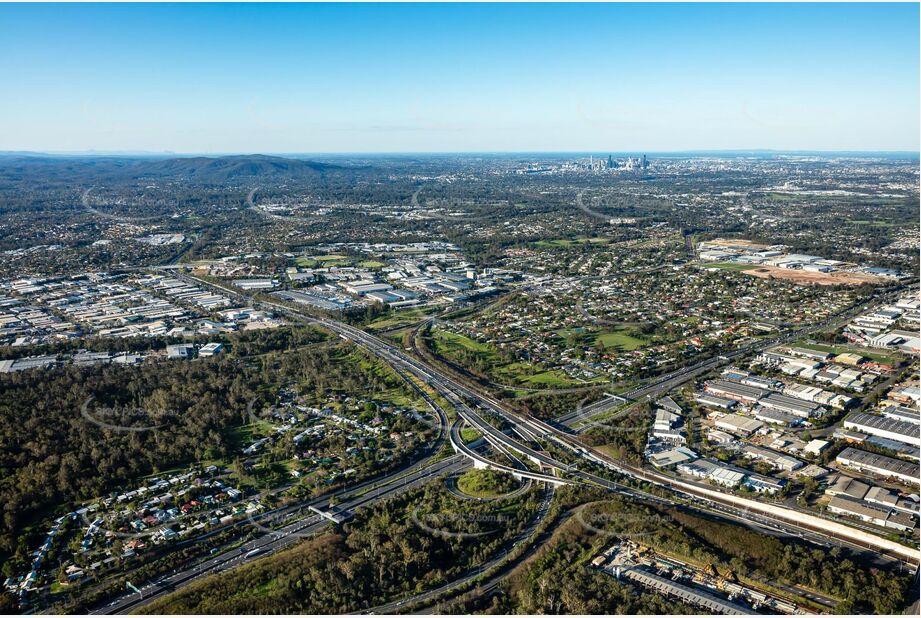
<point>252,552</point>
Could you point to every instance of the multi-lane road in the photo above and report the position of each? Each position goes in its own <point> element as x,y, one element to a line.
<point>778,516</point>
<point>669,381</point>
<point>705,498</point>
<point>429,595</point>
<point>303,523</point>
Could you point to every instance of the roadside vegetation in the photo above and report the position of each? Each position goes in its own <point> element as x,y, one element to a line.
<point>558,578</point>
<point>485,483</point>
<point>409,544</point>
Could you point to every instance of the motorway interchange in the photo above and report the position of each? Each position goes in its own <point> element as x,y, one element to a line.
<point>298,521</point>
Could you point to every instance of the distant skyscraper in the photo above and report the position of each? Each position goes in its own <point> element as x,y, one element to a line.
<point>645,162</point>
<point>610,162</point>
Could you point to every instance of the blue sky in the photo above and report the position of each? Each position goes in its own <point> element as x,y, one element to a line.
<point>442,78</point>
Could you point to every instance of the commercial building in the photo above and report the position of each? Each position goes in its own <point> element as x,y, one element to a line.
<point>716,402</point>
<point>255,284</point>
<point>816,447</point>
<point>719,437</point>
<point>738,424</point>
<point>884,427</point>
<point>210,349</point>
<point>879,465</point>
<point>360,288</point>
<point>665,419</point>
<point>665,427</point>
<point>763,383</point>
<point>764,484</point>
<point>902,413</point>
<point>870,513</point>
<point>669,404</point>
<point>848,486</point>
<point>684,593</point>
<point>790,405</point>
<point>816,395</point>
<point>775,459</point>
<point>776,417</point>
<point>735,390</point>
<point>179,351</point>
<point>892,500</point>
<point>726,477</point>
<point>702,468</point>
<point>810,354</point>
<point>21,364</point>
<point>849,358</point>
<point>673,457</point>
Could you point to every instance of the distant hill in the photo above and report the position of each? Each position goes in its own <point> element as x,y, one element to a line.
<point>211,169</point>
<point>204,170</point>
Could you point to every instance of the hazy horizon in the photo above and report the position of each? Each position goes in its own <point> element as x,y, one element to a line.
<point>384,153</point>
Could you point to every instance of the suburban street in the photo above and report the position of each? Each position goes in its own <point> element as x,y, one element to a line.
<point>553,472</point>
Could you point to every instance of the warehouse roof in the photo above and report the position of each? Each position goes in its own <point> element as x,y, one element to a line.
<point>895,466</point>
<point>736,389</point>
<point>739,423</point>
<point>882,423</point>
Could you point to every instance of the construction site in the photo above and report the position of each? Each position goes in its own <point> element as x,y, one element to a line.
<point>702,587</point>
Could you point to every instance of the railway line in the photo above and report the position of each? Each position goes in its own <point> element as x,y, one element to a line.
<point>274,540</point>
<point>779,516</point>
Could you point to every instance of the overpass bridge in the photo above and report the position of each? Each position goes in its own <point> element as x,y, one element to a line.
<point>481,462</point>
<point>449,388</point>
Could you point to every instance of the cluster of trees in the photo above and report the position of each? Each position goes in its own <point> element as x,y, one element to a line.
<point>833,572</point>
<point>245,343</point>
<point>751,553</point>
<point>249,343</point>
<point>553,584</point>
<point>479,482</point>
<point>477,364</point>
<point>557,581</point>
<point>77,432</point>
<point>382,555</point>
<point>73,433</point>
<point>553,404</point>
<point>625,432</point>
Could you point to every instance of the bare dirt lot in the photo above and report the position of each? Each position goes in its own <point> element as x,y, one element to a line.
<point>738,242</point>
<point>803,277</point>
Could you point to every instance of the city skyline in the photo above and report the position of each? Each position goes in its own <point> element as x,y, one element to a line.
<point>460,308</point>
<point>459,78</point>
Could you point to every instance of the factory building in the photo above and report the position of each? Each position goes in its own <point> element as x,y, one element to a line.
<point>738,424</point>
<point>900,431</point>
<point>791,405</point>
<point>735,390</point>
<point>879,465</point>
<point>871,513</point>
<point>779,461</point>
<point>684,593</point>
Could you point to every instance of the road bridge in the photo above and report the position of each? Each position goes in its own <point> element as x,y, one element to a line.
<point>481,462</point>
<point>448,387</point>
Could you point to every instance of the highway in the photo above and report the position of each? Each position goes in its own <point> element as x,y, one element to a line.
<point>795,523</point>
<point>450,388</point>
<point>481,462</point>
<point>705,498</point>
<point>363,494</point>
<point>669,381</point>
<point>523,537</point>
<point>778,516</point>
<point>273,541</point>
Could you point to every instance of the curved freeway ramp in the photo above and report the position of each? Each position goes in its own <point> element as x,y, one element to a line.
<point>482,462</point>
